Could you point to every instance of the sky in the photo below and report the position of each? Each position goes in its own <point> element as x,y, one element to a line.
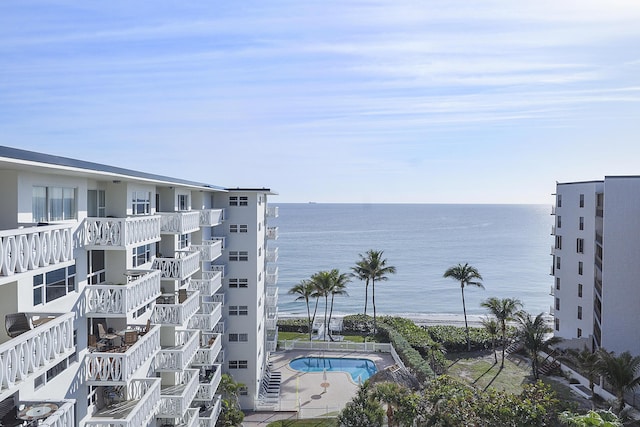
<point>361,101</point>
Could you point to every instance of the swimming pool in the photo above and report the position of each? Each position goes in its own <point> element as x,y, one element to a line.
<point>362,368</point>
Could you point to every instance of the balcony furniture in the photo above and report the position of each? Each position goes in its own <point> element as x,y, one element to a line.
<point>17,323</point>
<point>104,336</point>
<point>37,411</point>
<point>130,337</point>
<point>182,295</point>
<point>94,344</point>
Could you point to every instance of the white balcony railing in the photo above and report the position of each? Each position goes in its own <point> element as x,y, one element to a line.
<point>220,359</point>
<point>272,255</point>
<point>219,298</point>
<point>208,386</point>
<point>272,212</point>
<point>28,249</point>
<point>178,268</point>
<point>209,417</point>
<point>179,222</point>
<point>176,399</point>
<point>121,233</point>
<point>34,352</point>
<point>137,410</point>
<point>179,356</point>
<point>271,320</point>
<point>176,314</point>
<point>104,368</point>
<point>219,328</point>
<point>189,419</point>
<point>211,217</point>
<point>272,233</point>
<point>272,296</point>
<point>207,287</point>
<point>217,268</point>
<point>209,250</point>
<point>272,340</point>
<point>220,239</point>
<point>122,299</point>
<point>64,416</point>
<point>271,275</point>
<point>211,344</point>
<point>207,316</point>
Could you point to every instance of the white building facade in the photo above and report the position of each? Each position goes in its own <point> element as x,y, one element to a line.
<point>126,295</point>
<point>595,263</point>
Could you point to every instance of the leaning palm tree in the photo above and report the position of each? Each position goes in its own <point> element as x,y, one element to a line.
<point>466,275</point>
<point>305,291</point>
<point>491,326</point>
<point>339,287</point>
<point>377,270</point>
<point>504,310</point>
<point>323,284</point>
<point>587,363</point>
<point>621,373</point>
<point>535,334</point>
<point>361,271</point>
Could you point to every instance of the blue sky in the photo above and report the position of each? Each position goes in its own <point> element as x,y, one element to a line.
<point>333,100</point>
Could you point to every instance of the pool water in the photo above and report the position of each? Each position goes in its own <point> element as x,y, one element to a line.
<point>362,368</point>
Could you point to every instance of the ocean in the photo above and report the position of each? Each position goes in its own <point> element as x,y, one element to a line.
<point>508,244</point>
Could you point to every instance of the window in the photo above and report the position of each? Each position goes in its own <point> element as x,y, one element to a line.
<point>53,285</point>
<point>96,203</point>
<point>238,337</point>
<point>580,267</point>
<point>96,271</point>
<point>238,310</point>
<point>580,245</point>
<point>234,228</point>
<point>183,202</point>
<point>53,204</point>
<point>243,391</point>
<point>238,283</point>
<point>557,324</point>
<point>238,201</point>
<point>579,333</point>
<point>582,200</point>
<point>559,221</point>
<point>557,283</point>
<point>557,303</point>
<point>243,228</point>
<point>559,200</point>
<point>184,241</point>
<point>233,200</point>
<point>581,225</point>
<point>140,203</point>
<point>260,251</point>
<point>238,256</point>
<point>580,290</point>
<point>558,242</point>
<point>141,255</point>
<point>244,201</point>
<point>558,263</point>
<point>238,364</point>
<point>579,312</point>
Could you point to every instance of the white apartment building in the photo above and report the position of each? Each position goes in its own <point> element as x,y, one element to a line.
<point>595,263</point>
<point>126,295</point>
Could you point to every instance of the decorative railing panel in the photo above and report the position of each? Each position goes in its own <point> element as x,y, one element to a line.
<point>28,249</point>
<point>214,269</point>
<point>271,320</point>
<point>221,239</point>
<point>179,222</point>
<point>147,394</point>
<point>272,255</point>
<point>104,368</point>
<point>178,268</point>
<point>34,352</point>
<point>209,350</point>
<point>219,298</point>
<point>272,211</point>
<point>120,300</point>
<point>207,287</point>
<point>121,233</point>
<point>219,328</point>
<point>176,314</point>
<point>272,233</point>
<point>176,399</point>
<point>209,250</point>
<point>208,386</point>
<point>64,416</point>
<point>207,316</point>
<point>178,357</point>
<point>272,275</point>
<point>272,340</point>
<point>210,417</point>
<point>272,296</point>
<point>211,217</point>
<point>220,358</point>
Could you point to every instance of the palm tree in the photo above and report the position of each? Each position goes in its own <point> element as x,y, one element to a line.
<point>491,326</point>
<point>535,335</point>
<point>620,372</point>
<point>305,290</point>
<point>361,271</point>
<point>397,398</point>
<point>377,269</point>
<point>466,275</point>
<point>504,309</point>
<point>587,363</point>
<point>339,287</point>
<point>323,284</point>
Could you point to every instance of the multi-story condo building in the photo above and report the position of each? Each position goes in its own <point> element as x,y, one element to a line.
<point>595,262</point>
<point>126,295</point>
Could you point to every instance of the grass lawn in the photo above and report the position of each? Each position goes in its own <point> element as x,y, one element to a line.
<point>304,337</point>
<point>481,371</point>
<point>323,422</point>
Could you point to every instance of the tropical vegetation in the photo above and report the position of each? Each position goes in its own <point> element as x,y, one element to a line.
<point>372,266</point>
<point>466,275</point>
<point>504,310</point>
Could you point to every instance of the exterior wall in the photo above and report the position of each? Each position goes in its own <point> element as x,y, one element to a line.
<point>9,205</point>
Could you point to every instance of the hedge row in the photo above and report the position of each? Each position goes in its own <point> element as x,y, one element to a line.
<point>409,355</point>
<point>293,325</point>
<point>455,340</point>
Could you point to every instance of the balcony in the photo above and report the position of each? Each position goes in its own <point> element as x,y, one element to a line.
<point>271,319</point>
<point>214,269</point>
<point>598,287</point>
<point>29,249</point>
<point>272,255</point>
<point>552,291</point>
<point>121,233</point>
<point>209,382</point>
<point>210,346</point>
<point>219,298</point>
<point>272,233</point>
<point>180,268</point>
<point>207,287</point>
<point>175,309</point>
<point>219,328</point>
<point>117,366</point>
<point>62,415</point>
<point>175,399</point>
<point>137,407</point>
<point>220,359</point>
<point>189,419</point>
<point>208,416</point>
<point>272,211</point>
<point>122,299</point>
<point>34,352</point>
<point>553,210</point>
<point>207,316</point>
<point>271,277</point>
<point>179,222</point>
<point>209,249</point>
<point>211,217</point>
<point>177,357</point>
<point>272,340</point>
<point>553,230</point>
<point>272,296</point>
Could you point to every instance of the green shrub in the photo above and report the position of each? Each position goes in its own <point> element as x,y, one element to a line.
<point>293,325</point>
<point>409,356</point>
<point>357,324</point>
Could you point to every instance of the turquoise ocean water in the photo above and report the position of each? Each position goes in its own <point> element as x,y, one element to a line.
<point>509,244</point>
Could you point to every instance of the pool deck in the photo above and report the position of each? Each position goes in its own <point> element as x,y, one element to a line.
<point>303,391</point>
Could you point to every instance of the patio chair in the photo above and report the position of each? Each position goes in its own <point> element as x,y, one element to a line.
<point>104,337</point>
<point>130,337</point>
<point>17,323</point>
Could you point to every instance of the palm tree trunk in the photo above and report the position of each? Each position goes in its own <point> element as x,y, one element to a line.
<point>493,344</point>
<point>464,311</point>
<point>310,325</point>
<point>504,344</point>
<point>330,315</point>
<point>326,303</point>
<point>373,300</point>
<point>366,296</point>
<point>315,311</point>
